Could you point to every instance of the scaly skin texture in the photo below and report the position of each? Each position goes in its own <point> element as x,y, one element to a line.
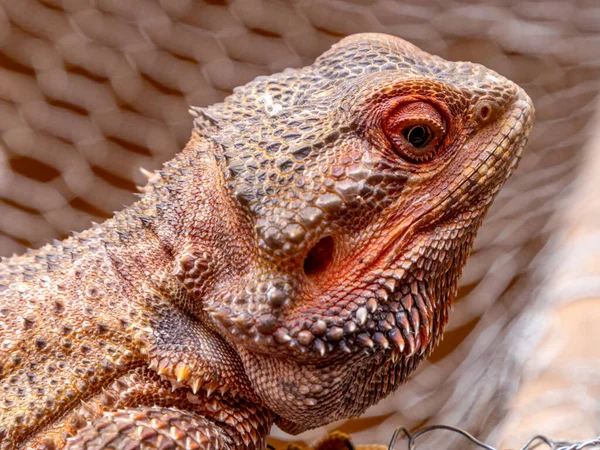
<point>292,265</point>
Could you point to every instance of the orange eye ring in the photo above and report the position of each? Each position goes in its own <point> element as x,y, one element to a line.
<point>415,131</point>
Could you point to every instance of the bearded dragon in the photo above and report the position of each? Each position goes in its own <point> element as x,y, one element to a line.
<point>292,265</point>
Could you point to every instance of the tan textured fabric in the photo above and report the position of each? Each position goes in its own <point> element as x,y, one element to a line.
<point>92,90</point>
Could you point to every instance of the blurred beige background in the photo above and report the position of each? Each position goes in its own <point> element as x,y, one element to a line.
<point>91,90</point>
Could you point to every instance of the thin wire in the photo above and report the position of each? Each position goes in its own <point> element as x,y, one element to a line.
<point>534,443</point>
<point>561,445</point>
<point>531,446</point>
<point>413,437</point>
<point>593,443</point>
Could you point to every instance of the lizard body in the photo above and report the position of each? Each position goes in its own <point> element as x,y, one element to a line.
<point>292,265</point>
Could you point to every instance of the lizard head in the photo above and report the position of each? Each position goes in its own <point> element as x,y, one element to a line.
<point>358,184</point>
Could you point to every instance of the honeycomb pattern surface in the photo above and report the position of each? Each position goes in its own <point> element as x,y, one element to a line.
<point>92,90</point>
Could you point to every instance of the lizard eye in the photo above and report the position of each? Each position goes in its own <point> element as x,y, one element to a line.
<point>415,130</point>
<point>417,135</point>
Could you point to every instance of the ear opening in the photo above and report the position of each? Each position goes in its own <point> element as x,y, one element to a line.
<point>319,257</point>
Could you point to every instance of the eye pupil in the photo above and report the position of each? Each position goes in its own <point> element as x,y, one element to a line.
<point>417,135</point>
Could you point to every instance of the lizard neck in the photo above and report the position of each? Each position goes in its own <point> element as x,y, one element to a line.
<point>174,216</point>
<point>106,303</point>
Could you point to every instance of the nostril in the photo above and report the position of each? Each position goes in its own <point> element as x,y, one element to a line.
<point>319,256</point>
<point>485,111</point>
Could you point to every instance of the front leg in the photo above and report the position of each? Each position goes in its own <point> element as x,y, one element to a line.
<point>139,410</point>
<point>142,411</point>
<point>158,428</point>
<point>193,395</point>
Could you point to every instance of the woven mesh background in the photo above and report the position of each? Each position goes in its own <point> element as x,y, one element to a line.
<point>90,90</point>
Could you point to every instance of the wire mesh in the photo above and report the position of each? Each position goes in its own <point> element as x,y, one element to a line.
<point>538,442</point>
